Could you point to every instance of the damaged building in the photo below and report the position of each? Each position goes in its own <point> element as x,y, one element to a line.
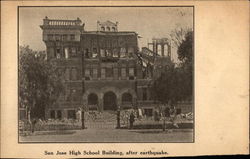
<point>103,68</point>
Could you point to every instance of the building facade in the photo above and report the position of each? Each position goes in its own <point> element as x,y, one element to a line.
<point>102,69</point>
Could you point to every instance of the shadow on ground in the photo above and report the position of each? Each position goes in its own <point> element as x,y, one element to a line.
<point>159,131</point>
<point>60,132</point>
<point>159,126</point>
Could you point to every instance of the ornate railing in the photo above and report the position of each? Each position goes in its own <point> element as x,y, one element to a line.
<point>55,22</point>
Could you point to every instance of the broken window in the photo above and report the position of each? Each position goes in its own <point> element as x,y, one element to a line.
<point>58,37</point>
<point>123,73</point>
<point>131,72</point>
<point>67,74</point>
<point>144,94</point>
<point>59,114</point>
<point>94,53</point>
<point>102,51</point>
<point>51,52</point>
<point>64,37</point>
<point>109,72</point>
<point>86,53</point>
<point>108,53</point>
<point>103,71</point>
<point>116,73</point>
<point>58,53</point>
<point>73,51</point>
<point>52,114</point>
<point>74,95</point>
<point>130,51</point>
<point>95,73</point>
<point>72,37</point>
<point>115,53</point>
<point>74,74</point>
<point>87,72</point>
<point>123,52</point>
<point>50,37</point>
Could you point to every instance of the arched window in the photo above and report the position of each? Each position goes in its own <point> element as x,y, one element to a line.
<point>92,99</point>
<point>102,29</point>
<point>126,98</point>
<point>108,28</point>
<point>113,28</point>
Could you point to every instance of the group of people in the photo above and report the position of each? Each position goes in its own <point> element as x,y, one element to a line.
<point>170,114</point>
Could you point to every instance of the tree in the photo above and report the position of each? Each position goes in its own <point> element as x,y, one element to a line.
<point>185,49</point>
<point>185,55</point>
<point>166,87</point>
<point>176,83</point>
<point>40,82</point>
<point>178,35</point>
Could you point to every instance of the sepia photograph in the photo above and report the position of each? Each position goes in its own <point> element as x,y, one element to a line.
<point>106,74</point>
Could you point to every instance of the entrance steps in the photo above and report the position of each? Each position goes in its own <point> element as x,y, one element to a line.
<point>105,116</point>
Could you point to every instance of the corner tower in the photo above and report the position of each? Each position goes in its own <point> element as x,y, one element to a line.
<point>62,40</point>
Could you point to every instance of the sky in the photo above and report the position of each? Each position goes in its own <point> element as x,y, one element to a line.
<point>148,22</point>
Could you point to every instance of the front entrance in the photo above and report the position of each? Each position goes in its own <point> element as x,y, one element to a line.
<point>109,101</point>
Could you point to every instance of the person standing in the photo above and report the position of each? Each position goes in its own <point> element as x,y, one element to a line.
<point>167,116</point>
<point>82,118</point>
<point>118,118</point>
<point>173,116</point>
<point>131,119</point>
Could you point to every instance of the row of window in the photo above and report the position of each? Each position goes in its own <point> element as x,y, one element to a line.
<point>57,114</point>
<point>58,37</point>
<point>93,99</point>
<point>71,95</point>
<point>66,52</point>
<point>71,74</point>
<point>108,28</point>
<point>114,52</point>
<point>106,73</point>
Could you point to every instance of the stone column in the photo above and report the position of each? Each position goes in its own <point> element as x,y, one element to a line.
<point>64,114</point>
<point>119,102</point>
<point>156,48</point>
<point>100,104</point>
<point>169,50</point>
<point>162,49</point>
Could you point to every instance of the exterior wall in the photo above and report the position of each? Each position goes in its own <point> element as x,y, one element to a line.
<point>84,57</point>
<point>62,40</point>
<point>116,62</point>
<point>101,87</point>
